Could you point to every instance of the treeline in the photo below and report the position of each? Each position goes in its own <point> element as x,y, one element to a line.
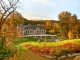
<point>68,25</point>
<point>34,22</point>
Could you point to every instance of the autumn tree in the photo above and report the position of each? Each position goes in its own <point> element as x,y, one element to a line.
<point>49,25</point>
<point>64,17</point>
<point>56,27</point>
<point>6,8</point>
<point>70,34</point>
<point>68,22</point>
<point>17,18</point>
<point>74,25</point>
<point>52,31</point>
<point>11,24</point>
<point>79,28</point>
<point>10,27</point>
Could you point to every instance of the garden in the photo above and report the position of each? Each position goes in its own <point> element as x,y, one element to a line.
<point>52,50</point>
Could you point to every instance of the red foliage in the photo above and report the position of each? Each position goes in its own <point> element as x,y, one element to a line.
<point>35,49</point>
<point>50,50</point>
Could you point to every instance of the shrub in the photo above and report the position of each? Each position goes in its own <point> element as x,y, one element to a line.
<point>77,58</point>
<point>42,50</point>
<point>57,52</point>
<point>28,46</point>
<point>51,51</point>
<point>47,50</point>
<point>5,51</point>
<point>35,49</point>
<point>65,51</point>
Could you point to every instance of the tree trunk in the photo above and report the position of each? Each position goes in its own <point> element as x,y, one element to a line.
<point>1,40</point>
<point>0,28</point>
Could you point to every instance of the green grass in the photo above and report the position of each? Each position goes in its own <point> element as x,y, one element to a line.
<point>24,39</point>
<point>33,41</point>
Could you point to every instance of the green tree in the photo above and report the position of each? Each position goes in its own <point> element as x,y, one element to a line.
<point>26,22</point>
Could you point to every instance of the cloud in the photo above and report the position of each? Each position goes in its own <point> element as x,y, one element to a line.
<point>35,17</point>
<point>43,1</point>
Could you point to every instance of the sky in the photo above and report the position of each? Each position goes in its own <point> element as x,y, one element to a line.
<point>47,9</point>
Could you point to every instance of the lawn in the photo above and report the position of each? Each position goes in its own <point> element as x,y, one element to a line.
<point>33,41</point>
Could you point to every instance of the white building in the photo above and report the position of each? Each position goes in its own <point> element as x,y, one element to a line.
<point>31,30</point>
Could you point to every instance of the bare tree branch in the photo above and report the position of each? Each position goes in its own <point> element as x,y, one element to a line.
<point>7,16</point>
<point>7,8</point>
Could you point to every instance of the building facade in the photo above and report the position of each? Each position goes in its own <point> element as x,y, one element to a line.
<point>31,30</point>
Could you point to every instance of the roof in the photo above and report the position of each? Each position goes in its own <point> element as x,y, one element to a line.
<point>30,26</point>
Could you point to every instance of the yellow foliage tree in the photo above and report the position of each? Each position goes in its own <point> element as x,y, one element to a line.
<point>9,29</point>
<point>70,34</point>
<point>52,31</point>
